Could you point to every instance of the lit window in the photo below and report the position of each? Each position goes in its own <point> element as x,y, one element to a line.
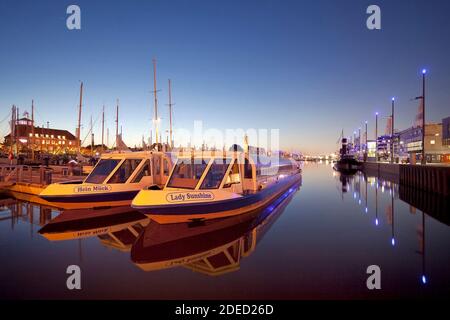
<point>64,137</point>
<point>52,136</point>
<point>30,134</point>
<point>36,135</point>
<point>70,142</point>
<point>432,142</point>
<point>46,135</point>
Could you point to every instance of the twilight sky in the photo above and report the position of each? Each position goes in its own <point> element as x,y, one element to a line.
<point>308,68</point>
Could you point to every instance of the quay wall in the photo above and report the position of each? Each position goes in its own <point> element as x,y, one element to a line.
<point>428,178</point>
<point>387,171</point>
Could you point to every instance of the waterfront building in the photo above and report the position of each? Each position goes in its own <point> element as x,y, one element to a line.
<point>384,147</point>
<point>41,139</point>
<point>410,144</point>
<point>446,131</point>
<point>446,139</point>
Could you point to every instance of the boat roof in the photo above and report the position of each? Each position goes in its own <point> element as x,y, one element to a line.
<point>256,158</point>
<point>132,154</point>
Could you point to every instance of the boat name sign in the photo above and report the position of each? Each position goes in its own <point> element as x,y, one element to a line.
<point>189,196</point>
<point>94,188</point>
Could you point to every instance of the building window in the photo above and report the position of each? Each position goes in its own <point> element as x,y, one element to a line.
<point>432,142</point>
<point>52,136</point>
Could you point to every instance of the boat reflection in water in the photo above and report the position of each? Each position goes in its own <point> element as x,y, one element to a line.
<point>212,247</point>
<point>116,227</point>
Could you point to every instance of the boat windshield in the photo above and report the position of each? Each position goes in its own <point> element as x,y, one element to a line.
<point>102,170</point>
<point>187,173</point>
<point>216,173</point>
<point>125,171</point>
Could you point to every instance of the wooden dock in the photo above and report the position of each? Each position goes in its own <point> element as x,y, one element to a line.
<point>32,179</point>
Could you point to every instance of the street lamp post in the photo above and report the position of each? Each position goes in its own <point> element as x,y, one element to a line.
<point>359,142</point>
<point>365,149</point>
<point>376,136</point>
<point>392,131</point>
<point>424,160</point>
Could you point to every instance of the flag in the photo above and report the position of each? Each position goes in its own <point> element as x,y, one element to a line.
<point>419,116</point>
<point>388,126</point>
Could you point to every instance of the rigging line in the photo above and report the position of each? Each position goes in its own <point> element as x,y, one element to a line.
<point>91,129</point>
<point>7,117</point>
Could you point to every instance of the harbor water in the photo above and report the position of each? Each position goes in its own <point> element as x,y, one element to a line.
<point>315,242</point>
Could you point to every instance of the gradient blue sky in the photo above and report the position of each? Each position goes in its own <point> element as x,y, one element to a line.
<point>309,68</point>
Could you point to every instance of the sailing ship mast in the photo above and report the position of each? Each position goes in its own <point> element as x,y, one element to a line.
<point>117,125</point>
<point>32,130</point>
<point>13,130</point>
<point>170,113</point>
<point>79,118</point>
<point>92,139</point>
<point>156,120</point>
<point>103,128</point>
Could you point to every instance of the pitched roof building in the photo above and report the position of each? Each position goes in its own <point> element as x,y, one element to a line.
<point>47,140</point>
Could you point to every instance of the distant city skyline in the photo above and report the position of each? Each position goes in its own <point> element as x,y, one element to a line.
<point>308,68</point>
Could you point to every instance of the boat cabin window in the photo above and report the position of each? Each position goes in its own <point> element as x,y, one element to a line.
<point>144,172</point>
<point>216,173</point>
<point>102,170</point>
<point>233,176</point>
<point>125,170</point>
<point>273,168</point>
<point>187,173</point>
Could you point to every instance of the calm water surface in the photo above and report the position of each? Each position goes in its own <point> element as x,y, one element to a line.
<point>315,242</point>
